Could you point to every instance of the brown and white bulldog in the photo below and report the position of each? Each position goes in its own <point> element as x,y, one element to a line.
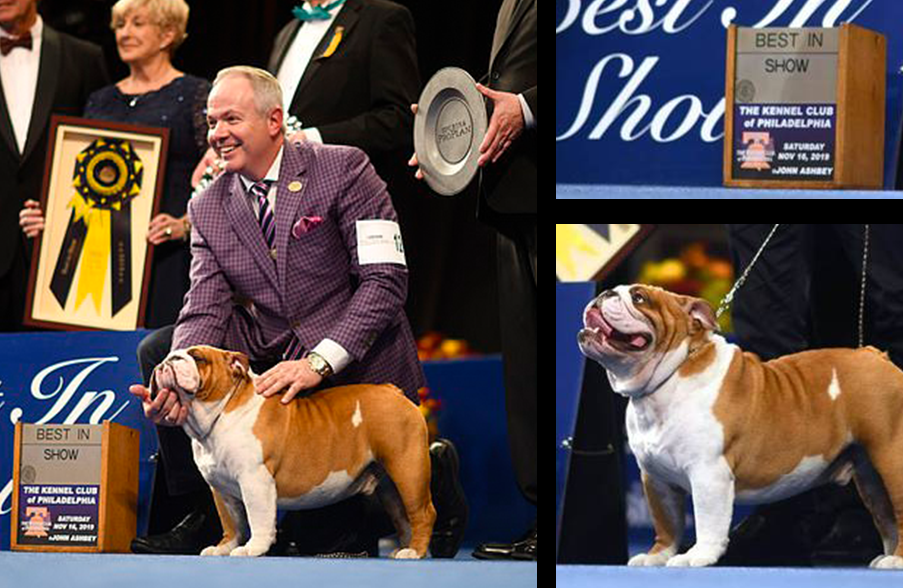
<point>707,418</point>
<point>258,454</point>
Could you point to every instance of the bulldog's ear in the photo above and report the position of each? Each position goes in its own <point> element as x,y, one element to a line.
<point>701,311</point>
<point>239,363</point>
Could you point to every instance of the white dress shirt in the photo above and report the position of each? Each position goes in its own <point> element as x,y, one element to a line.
<point>298,57</point>
<point>19,73</point>
<point>335,355</point>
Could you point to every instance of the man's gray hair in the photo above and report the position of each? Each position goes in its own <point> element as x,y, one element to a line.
<point>267,91</point>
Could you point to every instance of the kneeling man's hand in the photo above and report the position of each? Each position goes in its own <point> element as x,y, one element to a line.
<point>165,409</point>
<point>294,375</point>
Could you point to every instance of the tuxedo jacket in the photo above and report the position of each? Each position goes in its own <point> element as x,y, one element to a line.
<point>241,299</point>
<point>69,70</point>
<point>361,93</point>
<point>509,185</point>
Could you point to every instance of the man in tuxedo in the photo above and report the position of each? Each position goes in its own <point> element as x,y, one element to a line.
<point>296,261</point>
<point>508,202</point>
<point>43,72</point>
<point>348,71</point>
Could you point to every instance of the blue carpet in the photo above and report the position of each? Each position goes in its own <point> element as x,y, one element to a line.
<point>70,570</point>
<point>617,192</point>
<point>624,577</point>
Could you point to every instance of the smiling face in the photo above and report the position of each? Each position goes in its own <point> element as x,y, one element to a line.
<point>243,136</point>
<point>640,332</point>
<point>139,38</point>
<point>16,16</point>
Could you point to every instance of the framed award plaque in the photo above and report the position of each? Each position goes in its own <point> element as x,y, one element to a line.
<point>586,253</point>
<point>91,264</point>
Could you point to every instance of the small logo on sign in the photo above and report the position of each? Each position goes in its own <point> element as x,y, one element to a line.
<point>758,152</point>
<point>37,521</point>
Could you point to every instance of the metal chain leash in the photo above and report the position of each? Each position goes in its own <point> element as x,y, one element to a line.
<point>726,301</point>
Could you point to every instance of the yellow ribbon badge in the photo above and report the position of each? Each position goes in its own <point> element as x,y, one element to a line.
<point>106,178</point>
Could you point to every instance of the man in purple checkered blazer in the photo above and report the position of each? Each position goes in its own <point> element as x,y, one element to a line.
<point>297,261</point>
<point>296,256</point>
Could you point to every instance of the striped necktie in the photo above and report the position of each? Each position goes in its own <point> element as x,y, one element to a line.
<point>295,349</point>
<point>265,216</point>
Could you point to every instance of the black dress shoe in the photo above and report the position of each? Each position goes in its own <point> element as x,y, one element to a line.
<point>448,499</point>
<point>523,549</point>
<point>293,542</point>
<point>786,533</point>
<point>852,541</point>
<point>189,537</point>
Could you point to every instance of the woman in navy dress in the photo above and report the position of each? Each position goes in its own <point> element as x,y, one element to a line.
<point>155,94</point>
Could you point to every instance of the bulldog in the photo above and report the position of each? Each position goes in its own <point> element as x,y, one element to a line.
<point>709,419</point>
<point>258,454</point>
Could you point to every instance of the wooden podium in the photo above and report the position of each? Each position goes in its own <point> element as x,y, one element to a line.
<point>75,487</point>
<point>804,108</point>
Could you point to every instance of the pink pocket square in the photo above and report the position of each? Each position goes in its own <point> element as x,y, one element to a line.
<point>304,225</point>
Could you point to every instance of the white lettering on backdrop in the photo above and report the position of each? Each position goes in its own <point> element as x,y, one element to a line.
<point>60,396</point>
<point>639,17</point>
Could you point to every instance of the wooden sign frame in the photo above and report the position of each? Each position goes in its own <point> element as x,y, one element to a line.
<point>118,506</point>
<point>860,109</point>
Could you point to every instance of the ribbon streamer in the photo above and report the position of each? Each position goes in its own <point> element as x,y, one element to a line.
<point>107,176</point>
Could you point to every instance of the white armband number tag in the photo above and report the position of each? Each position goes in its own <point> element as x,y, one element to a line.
<point>379,241</point>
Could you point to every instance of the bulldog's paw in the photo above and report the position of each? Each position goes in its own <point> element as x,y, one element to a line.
<point>216,550</point>
<point>649,559</point>
<point>697,556</point>
<point>887,562</point>
<point>406,553</point>
<point>250,549</point>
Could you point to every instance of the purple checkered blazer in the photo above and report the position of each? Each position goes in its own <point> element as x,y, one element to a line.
<point>241,299</point>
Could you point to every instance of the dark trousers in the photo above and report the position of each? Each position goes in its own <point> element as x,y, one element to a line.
<point>517,312</point>
<point>803,292</point>
<point>182,475</point>
<point>13,287</point>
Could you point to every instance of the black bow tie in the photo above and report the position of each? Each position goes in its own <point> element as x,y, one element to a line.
<point>7,44</point>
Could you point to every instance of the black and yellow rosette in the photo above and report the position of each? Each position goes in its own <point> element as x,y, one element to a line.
<point>106,178</point>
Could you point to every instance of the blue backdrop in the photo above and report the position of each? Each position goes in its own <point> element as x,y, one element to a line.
<point>69,378</point>
<point>639,84</point>
<point>570,299</point>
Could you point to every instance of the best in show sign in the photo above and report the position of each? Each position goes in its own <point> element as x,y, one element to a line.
<point>785,99</point>
<point>640,86</point>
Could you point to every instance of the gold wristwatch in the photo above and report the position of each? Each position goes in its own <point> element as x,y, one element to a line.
<point>319,365</point>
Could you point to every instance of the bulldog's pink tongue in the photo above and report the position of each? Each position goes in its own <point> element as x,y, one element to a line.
<point>594,320</point>
<point>637,341</point>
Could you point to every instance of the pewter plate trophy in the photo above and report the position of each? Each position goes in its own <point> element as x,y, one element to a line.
<point>448,129</point>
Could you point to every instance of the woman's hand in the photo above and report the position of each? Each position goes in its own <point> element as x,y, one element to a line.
<point>165,228</point>
<point>31,219</point>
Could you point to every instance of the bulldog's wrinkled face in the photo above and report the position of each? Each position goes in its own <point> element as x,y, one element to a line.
<point>630,327</point>
<point>200,372</point>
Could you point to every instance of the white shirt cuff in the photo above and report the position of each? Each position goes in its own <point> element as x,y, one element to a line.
<point>334,354</point>
<point>529,121</point>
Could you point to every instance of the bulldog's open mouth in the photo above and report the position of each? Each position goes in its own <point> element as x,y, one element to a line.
<point>600,330</point>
